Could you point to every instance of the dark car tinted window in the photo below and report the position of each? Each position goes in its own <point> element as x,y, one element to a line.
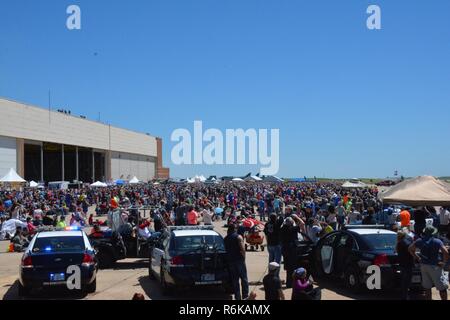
<point>380,242</point>
<point>189,243</point>
<point>59,244</point>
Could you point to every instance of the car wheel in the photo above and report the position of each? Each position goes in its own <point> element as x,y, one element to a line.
<point>263,248</point>
<point>246,247</point>
<point>352,280</point>
<point>91,288</point>
<point>24,291</point>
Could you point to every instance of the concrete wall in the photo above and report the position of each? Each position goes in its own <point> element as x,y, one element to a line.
<point>126,166</point>
<point>33,123</point>
<point>8,155</point>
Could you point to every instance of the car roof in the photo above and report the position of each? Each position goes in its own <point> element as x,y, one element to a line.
<point>52,234</point>
<point>188,233</point>
<point>362,232</point>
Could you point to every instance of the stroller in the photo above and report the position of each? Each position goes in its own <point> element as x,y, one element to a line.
<point>253,235</point>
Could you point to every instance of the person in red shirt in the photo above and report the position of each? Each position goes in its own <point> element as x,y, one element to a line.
<point>192,217</point>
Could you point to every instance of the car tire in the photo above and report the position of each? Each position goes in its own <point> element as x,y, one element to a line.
<point>91,288</point>
<point>246,247</point>
<point>24,291</point>
<point>352,280</point>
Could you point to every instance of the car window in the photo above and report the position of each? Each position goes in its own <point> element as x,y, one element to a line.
<point>347,241</point>
<point>380,242</point>
<point>59,244</point>
<point>328,241</point>
<point>189,243</point>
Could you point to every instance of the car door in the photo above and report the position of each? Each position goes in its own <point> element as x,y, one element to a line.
<point>157,255</point>
<point>327,253</point>
<point>345,244</point>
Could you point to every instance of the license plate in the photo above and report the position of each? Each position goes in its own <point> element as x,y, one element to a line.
<point>208,277</point>
<point>416,279</point>
<point>55,277</point>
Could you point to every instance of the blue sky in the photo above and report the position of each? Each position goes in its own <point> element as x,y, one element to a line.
<point>349,102</point>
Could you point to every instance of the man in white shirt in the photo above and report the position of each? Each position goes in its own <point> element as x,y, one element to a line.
<point>444,220</point>
<point>207,215</point>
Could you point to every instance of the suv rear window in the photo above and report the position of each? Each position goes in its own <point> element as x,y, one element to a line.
<point>380,242</point>
<point>59,244</point>
<point>189,243</point>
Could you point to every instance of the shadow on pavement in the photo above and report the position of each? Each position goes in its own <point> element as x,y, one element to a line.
<point>44,294</point>
<point>152,289</point>
<point>130,265</point>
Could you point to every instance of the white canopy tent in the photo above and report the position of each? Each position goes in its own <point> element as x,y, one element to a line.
<point>135,180</point>
<point>237,180</point>
<point>34,184</point>
<point>354,185</point>
<point>99,184</point>
<point>12,177</point>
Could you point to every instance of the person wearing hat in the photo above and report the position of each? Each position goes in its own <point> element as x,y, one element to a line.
<point>303,288</point>
<point>431,268</point>
<point>272,283</point>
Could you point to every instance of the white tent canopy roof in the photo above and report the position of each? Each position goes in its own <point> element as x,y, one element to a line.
<point>420,191</point>
<point>34,184</point>
<point>135,180</point>
<point>12,177</point>
<point>99,184</point>
<point>354,185</point>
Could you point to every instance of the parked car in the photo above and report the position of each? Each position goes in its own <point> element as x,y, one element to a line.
<point>346,255</point>
<point>189,257</point>
<point>48,257</point>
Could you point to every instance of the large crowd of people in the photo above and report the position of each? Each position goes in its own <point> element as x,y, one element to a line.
<point>280,210</point>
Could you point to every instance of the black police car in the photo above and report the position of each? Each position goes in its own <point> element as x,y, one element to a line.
<point>347,254</point>
<point>52,257</point>
<point>188,257</point>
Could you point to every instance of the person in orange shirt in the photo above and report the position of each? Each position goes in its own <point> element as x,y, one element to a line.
<point>405,218</point>
<point>192,217</point>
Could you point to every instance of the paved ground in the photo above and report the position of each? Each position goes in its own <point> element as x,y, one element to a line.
<point>131,276</point>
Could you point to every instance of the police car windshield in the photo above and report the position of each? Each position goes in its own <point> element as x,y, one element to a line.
<point>381,242</point>
<point>192,243</point>
<point>58,244</point>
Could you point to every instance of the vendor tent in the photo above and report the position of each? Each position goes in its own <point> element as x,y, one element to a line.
<point>354,185</point>
<point>135,180</point>
<point>12,177</point>
<point>420,191</point>
<point>34,184</point>
<point>99,184</point>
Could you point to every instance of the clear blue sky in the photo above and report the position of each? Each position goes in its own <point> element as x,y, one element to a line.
<point>349,102</point>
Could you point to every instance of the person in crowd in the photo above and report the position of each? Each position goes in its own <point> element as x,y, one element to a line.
<point>262,209</point>
<point>370,218</point>
<point>332,217</point>
<point>272,230</point>
<point>207,215</point>
<point>406,262</point>
<point>314,230</point>
<point>431,267</point>
<point>341,215</point>
<point>192,217</point>
<point>272,283</point>
<point>138,297</point>
<point>420,220</point>
<point>405,218</point>
<point>30,227</point>
<point>444,220</point>
<point>289,235</point>
<point>19,241</point>
<point>303,287</point>
<point>235,254</point>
